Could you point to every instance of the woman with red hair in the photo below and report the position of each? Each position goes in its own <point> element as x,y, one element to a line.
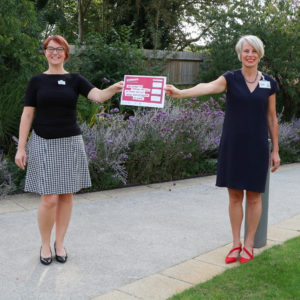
<point>57,162</point>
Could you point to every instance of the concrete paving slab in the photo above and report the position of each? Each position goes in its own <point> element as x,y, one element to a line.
<point>217,257</point>
<point>193,271</point>
<point>270,243</point>
<point>94,196</point>
<point>291,224</point>
<point>288,167</point>
<point>282,235</point>
<point>81,198</point>
<point>284,193</point>
<point>183,183</point>
<point>116,295</point>
<point>127,191</point>
<point>8,206</point>
<point>28,201</point>
<point>156,287</point>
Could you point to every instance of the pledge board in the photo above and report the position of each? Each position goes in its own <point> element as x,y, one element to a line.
<point>143,91</point>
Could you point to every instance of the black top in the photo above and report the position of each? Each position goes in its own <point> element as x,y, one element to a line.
<point>244,152</point>
<point>55,98</point>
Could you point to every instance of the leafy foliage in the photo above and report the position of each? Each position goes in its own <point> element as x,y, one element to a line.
<point>160,24</point>
<point>19,59</point>
<point>105,63</point>
<point>156,21</point>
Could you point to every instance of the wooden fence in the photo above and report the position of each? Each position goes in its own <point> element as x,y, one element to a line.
<point>181,68</point>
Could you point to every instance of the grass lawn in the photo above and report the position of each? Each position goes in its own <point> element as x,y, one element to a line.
<point>274,274</point>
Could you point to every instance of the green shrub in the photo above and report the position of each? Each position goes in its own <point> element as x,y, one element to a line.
<point>19,60</point>
<point>105,63</point>
<point>6,183</point>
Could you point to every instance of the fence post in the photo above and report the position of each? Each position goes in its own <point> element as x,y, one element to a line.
<point>260,238</point>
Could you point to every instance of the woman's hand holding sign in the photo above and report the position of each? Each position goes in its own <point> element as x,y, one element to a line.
<point>117,87</point>
<point>102,95</point>
<point>172,91</point>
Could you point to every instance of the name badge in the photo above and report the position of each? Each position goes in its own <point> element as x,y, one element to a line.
<point>61,82</point>
<point>264,84</point>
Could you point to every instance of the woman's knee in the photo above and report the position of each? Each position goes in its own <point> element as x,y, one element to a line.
<point>68,198</point>
<point>235,196</point>
<point>253,197</point>
<point>49,201</point>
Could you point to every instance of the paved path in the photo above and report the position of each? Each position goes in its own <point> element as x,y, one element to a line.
<point>145,242</point>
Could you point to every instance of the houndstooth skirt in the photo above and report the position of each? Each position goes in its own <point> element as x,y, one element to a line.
<point>56,166</point>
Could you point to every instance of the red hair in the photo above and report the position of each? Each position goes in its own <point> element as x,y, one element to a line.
<point>59,40</point>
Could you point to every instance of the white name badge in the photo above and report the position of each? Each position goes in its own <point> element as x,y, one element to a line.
<point>264,84</point>
<point>61,82</point>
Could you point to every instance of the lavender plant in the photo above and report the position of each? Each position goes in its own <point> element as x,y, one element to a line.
<point>106,149</point>
<point>178,141</point>
<point>155,144</point>
<point>162,144</point>
<point>289,141</point>
<point>6,184</point>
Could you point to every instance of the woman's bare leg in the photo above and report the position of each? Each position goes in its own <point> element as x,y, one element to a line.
<point>236,216</point>
<point>46,219</point>
<point>63,216</point>
<point>254,208</point>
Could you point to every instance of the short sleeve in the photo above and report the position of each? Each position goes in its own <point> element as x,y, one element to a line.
<point>30,95</point>
<point>228,76</point>
<point>84,86</point>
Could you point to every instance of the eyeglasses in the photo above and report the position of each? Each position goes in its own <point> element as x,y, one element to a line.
<point>58,49</point>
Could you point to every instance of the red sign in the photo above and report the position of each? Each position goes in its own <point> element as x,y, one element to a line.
<point>143,91</point>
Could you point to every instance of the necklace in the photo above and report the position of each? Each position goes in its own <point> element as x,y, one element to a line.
<point>250,81</point>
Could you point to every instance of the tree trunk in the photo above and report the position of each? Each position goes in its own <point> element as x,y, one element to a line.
<point>80,21</point>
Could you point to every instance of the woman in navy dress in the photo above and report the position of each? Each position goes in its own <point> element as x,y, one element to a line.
<point>243,152</point>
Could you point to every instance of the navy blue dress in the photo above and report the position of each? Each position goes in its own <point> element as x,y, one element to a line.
<point>244,152</point>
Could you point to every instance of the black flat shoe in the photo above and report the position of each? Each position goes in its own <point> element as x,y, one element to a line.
<point>45,260</point>
<point>61,259</point>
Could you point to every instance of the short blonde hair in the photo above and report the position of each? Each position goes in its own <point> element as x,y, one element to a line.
<point>254,41</point>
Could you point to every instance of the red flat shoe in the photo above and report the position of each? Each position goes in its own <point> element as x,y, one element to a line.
<point>244,259</point>
<point>230,260</point>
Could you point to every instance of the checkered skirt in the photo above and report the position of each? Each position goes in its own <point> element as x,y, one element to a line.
<point>56,166</point>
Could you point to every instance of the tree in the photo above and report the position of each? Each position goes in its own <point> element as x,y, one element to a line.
<point>18,37</point>
<point>57,17</point>
<point>19,60</point>
<point>69,18</point>
<point>276,22</point>
<point>160,22</point>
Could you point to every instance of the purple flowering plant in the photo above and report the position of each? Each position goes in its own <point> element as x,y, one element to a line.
<point>155,144</point>
<point>289,140</point>
<point>172,143</point>
<point>6,183</point>
<point>178,141</point>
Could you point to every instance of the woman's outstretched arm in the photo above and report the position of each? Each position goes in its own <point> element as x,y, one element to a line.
<point>214,87</point>
<point>102,95</point>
